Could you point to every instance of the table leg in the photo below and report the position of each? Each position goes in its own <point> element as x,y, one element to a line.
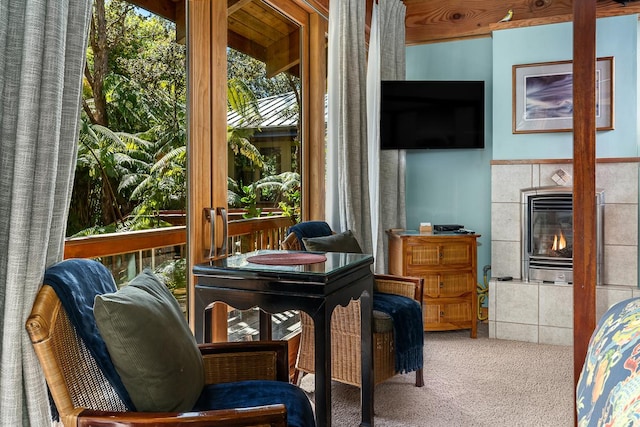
<point>265,326</point>
<point>366,396</point>
<point>322,332</point>
<point>198,317</point>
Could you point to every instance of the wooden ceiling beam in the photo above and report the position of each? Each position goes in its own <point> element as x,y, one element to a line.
<point>436,20</point>
<point>235,5</point>
<point>246,46</point>
<point>174,11</point>
<point>283,54</point>
<point>181,22</point>
<point>164,8</point>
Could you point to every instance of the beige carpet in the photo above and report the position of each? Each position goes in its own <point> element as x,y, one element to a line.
<point>481,382</point>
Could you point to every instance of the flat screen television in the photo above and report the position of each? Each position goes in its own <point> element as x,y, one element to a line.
<point>431,114</point>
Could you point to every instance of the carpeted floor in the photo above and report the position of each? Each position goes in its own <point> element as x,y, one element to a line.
<point>481,382</point>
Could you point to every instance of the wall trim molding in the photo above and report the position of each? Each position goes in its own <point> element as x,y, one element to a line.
<point>563,161</point>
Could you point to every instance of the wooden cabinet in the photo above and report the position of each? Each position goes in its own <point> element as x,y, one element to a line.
<point>448,264</point>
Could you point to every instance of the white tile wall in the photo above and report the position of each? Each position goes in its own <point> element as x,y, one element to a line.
<point>540,312</point>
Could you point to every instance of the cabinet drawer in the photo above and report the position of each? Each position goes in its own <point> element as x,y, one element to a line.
<point>456,254</point>
<point>455,312</point>
<point>434,254</point>
<point>454,315</point>
<point>448,284</point>
<point>422,255</point>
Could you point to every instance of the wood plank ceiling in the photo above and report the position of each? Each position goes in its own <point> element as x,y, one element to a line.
<point>438,20</point>
<point>427,21</point>
<point>254,28</point>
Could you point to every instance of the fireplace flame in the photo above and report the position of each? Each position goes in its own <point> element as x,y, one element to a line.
<point>559,242</point>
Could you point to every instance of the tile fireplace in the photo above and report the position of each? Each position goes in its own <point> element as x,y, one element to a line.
<point>534,306</point>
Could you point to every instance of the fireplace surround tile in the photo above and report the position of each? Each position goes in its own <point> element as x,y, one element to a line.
<point>506,182</point>
<point>510,303</point>
<point>517,302</point>
<point>548,170</point>
<point>621,265</point>
<point>505,220</point>
<point>556,305</point>
<point>620,181</point>
<point>621,225</point>
<point>609,295</point>
<point>555,336</point>
<point>505,259</point>
<point>517,332</point>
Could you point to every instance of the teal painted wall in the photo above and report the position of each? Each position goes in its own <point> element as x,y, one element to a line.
<point>454,186</point>
<point>615,37</point>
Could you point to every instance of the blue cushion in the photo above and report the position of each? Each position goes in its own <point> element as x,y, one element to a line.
<point>245,394</point>
<point>77,282</point>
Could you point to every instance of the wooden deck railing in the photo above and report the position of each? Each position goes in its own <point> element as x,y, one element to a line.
<point>127,254</point>
<point>244,235</point>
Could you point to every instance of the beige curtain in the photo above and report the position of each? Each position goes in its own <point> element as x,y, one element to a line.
<point>387,61</point>
<point>42,51</point>
<point>347,198</point>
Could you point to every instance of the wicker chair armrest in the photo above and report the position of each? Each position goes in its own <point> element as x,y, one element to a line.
<point>291,243</point>
<point>271,415</point>
<point>239,361</point>
<point>408,286</point>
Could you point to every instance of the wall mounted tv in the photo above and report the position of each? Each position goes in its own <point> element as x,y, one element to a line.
<point>431,114</point>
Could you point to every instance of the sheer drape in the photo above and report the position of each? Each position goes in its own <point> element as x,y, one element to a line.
<point>42,51</point>
<point>386,168</point>
<point>347,165</point>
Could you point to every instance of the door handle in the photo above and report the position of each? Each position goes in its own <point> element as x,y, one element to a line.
<point>216,252</point>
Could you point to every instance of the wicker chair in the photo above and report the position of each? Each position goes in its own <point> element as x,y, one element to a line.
<point>83,396</point>
<point>345,332</point>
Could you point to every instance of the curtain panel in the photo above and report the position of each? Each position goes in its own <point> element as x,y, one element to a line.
<point>387,61</point>
<point>42,51</point>
<point>347,204</point>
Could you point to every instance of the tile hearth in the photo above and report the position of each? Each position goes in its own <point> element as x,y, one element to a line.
<point>543,312</point>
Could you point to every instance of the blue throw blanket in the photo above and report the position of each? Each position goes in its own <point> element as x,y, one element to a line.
<point>77,282</point>
<point>407,329</point>
<point>310,229</point>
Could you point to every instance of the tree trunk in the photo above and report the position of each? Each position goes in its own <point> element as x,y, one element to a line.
<point>100,48</point>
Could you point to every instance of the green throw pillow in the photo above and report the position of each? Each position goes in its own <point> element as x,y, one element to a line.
<point>340,242</point>
<point>151,345</point>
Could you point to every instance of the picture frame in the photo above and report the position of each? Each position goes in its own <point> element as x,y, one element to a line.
<point>543,96</point>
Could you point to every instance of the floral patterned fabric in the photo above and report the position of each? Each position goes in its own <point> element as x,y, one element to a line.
<point>608,391</point>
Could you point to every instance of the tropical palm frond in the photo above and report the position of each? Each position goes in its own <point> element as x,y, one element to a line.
<point>138,192</point>
<point>243,101</point>
<point>122,159</point>
<point>111,137</point>
<point>135,140</point>
<point>245,148</point>
<point>175,154</point>
<point>234,199</point>
<point>131,180</point>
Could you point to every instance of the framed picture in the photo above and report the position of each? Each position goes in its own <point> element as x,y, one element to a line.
<point>543,96</point>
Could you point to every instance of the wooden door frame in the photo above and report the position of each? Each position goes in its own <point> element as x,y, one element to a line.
<point>207,123</point>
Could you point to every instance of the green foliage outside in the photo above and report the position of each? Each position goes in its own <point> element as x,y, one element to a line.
<point>131,160</point>
<point>132,145</point>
